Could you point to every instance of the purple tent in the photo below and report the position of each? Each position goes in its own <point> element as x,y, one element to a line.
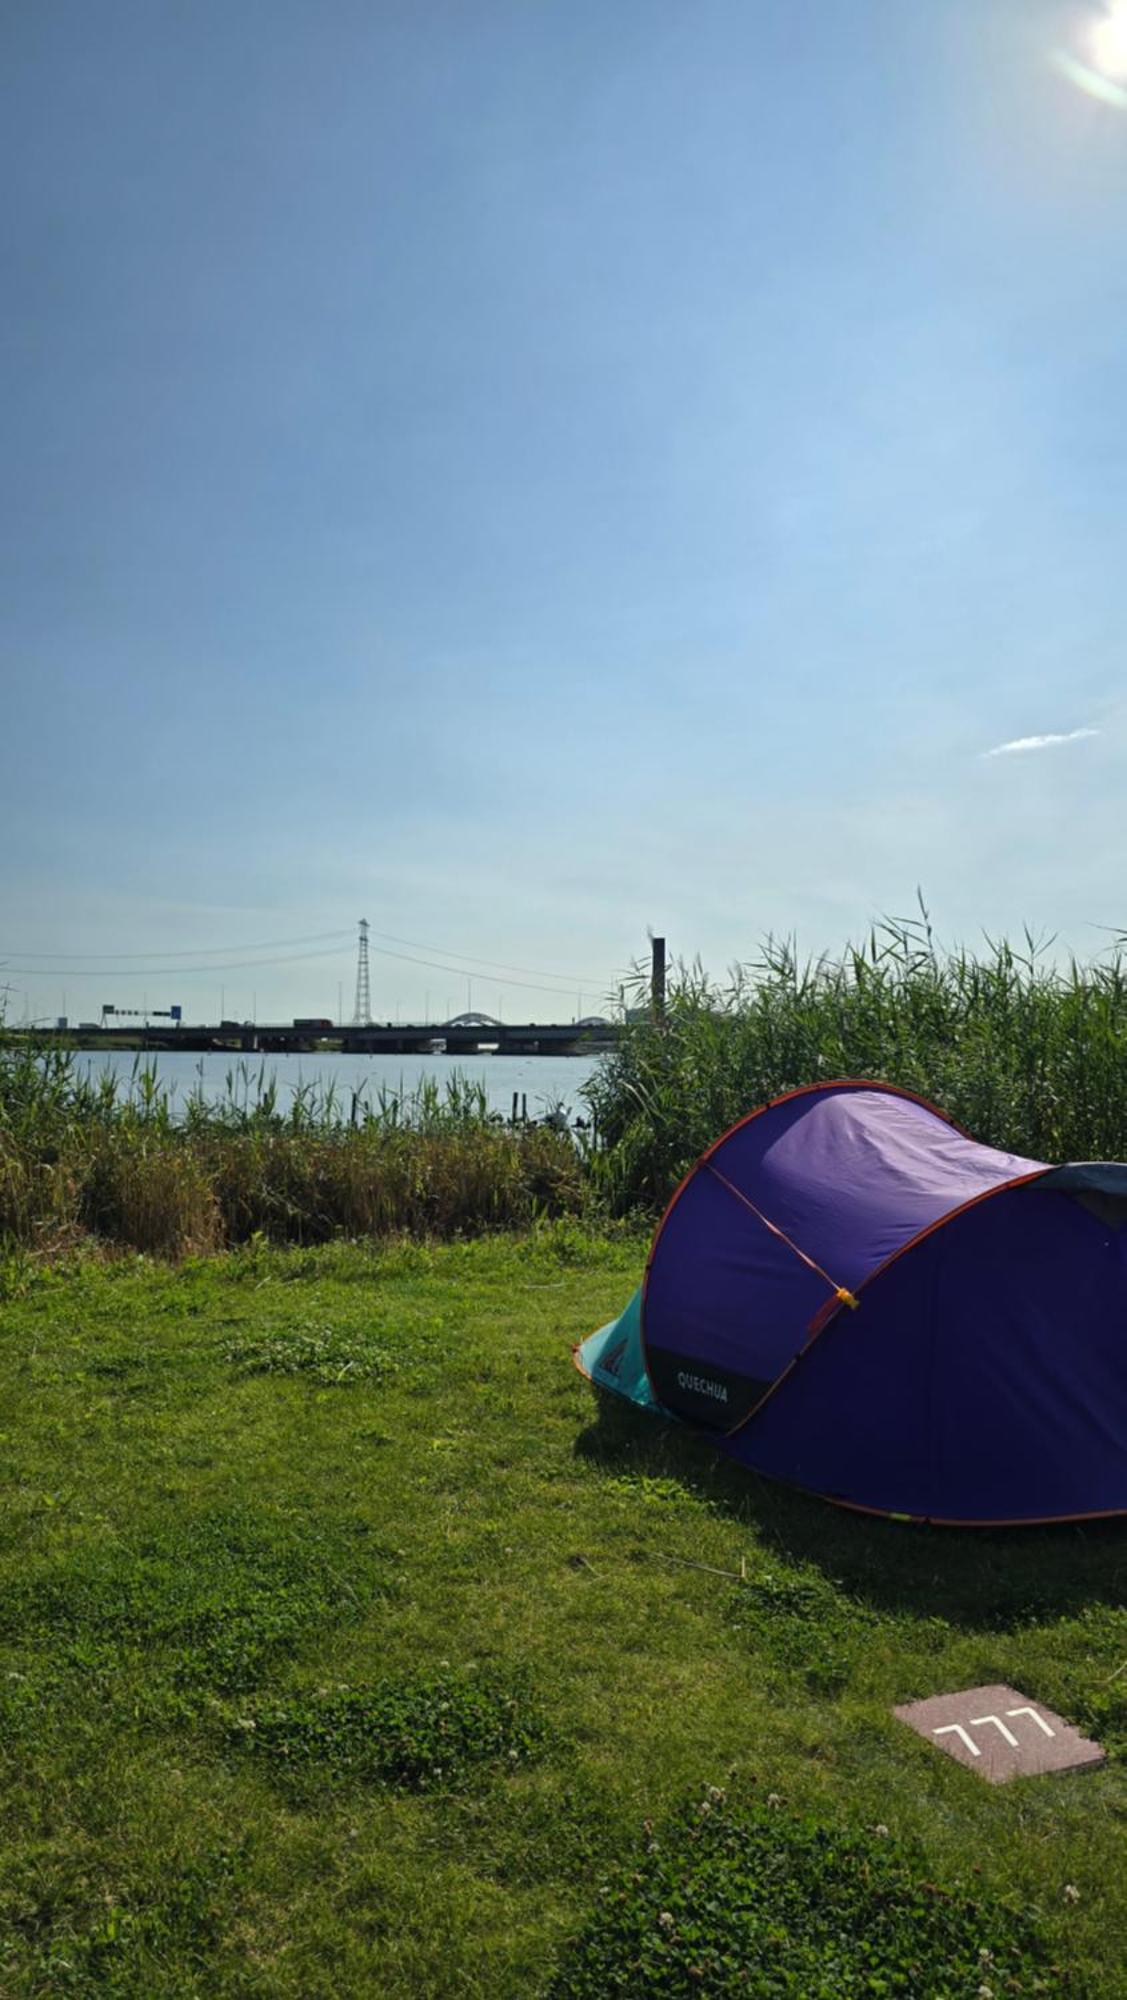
<point>850,1294</point>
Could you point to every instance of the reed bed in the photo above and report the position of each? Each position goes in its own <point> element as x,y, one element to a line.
<point>1028,1053</point>
<point>127,1166</point>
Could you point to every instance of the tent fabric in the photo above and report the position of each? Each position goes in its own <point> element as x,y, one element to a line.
<point>849,1293</point>
<point>613,1358</point>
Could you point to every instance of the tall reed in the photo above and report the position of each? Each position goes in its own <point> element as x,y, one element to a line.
<point>1027,1053</point>
<point>123,1163</point>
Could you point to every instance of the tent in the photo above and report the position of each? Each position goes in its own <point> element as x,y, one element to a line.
<point>848,1293</point>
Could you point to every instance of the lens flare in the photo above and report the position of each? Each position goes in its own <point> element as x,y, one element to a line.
<point>1100,70</point>
<point>1107,41</point>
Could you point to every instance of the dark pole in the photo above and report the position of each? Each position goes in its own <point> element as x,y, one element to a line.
<point>657,977</point>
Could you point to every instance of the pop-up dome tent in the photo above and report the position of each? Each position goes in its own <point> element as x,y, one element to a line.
<point>852,1295</point>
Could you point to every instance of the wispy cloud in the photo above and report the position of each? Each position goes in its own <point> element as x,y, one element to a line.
<point>1021,744</point>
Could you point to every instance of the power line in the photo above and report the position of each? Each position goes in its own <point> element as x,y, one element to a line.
<point>569,979</point>
<point>250,964</point>
<point>116,965</point>
<point>459,971</point>
<point>105,959</point>
<point>200,951</point>
<point>169,971</point>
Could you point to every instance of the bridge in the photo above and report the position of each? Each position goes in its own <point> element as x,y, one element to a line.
<point>466,1035</point>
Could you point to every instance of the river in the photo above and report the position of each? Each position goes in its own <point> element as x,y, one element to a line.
<point>542,1082</point>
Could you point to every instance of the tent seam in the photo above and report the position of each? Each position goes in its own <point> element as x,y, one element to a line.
<point>823,1318</point>
<point>786,1097</point>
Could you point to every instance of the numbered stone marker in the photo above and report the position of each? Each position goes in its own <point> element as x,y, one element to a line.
<point>1000,1733</point>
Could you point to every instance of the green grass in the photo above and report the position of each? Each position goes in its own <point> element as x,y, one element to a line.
<point>726,1900</point>
<point>418,1732</point>
<point>348,1647</point>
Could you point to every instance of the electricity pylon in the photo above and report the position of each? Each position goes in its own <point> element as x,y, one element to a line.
<point>362,1012</point>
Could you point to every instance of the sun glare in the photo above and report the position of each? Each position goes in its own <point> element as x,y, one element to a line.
<point>1097,62</point>
<point>1108,42</point>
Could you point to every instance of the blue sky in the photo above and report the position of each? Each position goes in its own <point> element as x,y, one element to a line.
<point>529,472</point>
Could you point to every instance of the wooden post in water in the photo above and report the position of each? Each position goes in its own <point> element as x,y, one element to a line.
<point>657,977</point>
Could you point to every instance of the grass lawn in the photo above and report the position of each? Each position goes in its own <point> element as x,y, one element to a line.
<point>348,1648</point>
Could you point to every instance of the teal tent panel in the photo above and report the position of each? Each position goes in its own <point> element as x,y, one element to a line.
<point>613,1358</point>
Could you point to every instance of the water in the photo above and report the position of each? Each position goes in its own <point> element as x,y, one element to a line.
<point>546,1081</point>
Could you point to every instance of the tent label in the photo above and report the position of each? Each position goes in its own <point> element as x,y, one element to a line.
<point>1000,1733</point>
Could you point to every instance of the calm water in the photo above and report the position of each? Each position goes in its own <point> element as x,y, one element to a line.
<point>544,1080</point>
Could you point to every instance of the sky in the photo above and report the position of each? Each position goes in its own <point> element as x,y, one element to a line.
<point>530,474</point>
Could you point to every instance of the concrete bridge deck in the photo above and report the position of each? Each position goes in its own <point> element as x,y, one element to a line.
<point>455,1038</point>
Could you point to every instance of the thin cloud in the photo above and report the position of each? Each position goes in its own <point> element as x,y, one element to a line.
<point>1021,744</point>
